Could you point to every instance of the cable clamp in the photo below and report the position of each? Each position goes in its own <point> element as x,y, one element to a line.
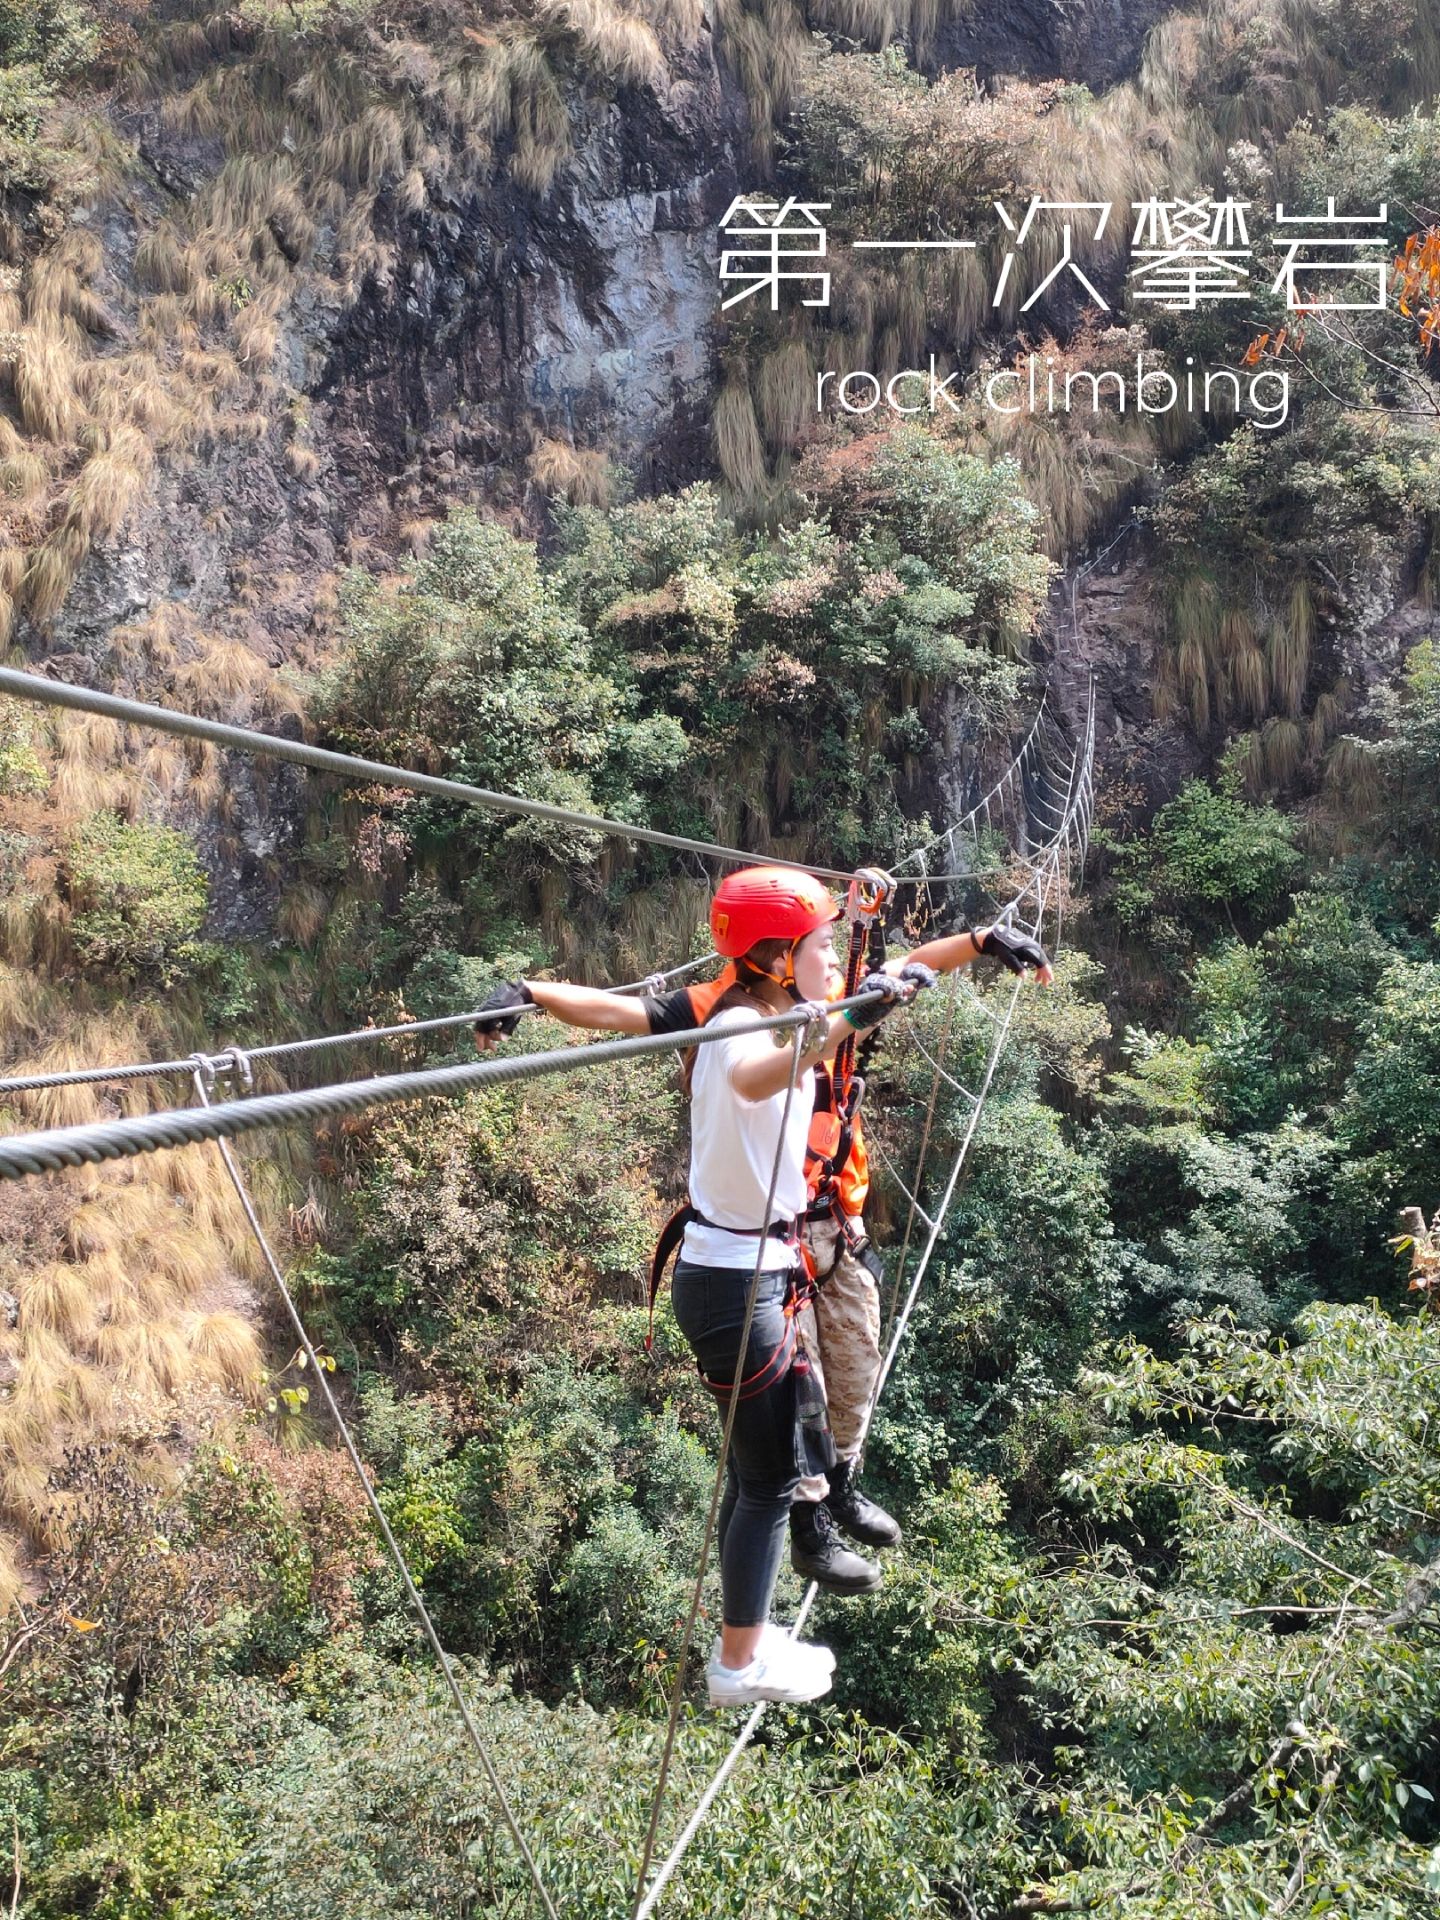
<point>233,1060</point>
<point>206,1067</point>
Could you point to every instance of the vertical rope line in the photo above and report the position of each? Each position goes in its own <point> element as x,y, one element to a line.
<point>1002,1033</point>
<point>920,1160</point>
<point>697,1593</point>
<point>412,1592</point>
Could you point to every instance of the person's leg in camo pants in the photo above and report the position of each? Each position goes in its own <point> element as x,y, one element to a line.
<point>846,1315</point>
<point>847,1327</point>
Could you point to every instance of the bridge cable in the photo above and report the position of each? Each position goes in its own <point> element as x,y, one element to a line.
<point>51,1150</point>
<point>233,1056</point>
<point>139,713</point>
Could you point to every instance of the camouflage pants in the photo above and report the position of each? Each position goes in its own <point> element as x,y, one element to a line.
<point>841,1336</point>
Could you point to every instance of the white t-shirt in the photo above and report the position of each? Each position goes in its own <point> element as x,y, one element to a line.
<point>732,1152</point>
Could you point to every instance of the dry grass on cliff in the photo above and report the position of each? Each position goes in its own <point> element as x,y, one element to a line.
<point>580,475</point>
<point>135,1304</point>
<point>1288,647</point>
<point>738,446</point>
<point>617,43</point>
<point>1218,663</point>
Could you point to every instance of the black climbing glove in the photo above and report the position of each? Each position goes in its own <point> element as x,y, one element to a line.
<point>875,1011</point>
<point>1017,950</point>
<point>509,994</point>
<point>916,974</point>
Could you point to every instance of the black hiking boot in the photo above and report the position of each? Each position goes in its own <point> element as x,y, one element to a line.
<point>818,1553</point>
<point>859,1517</point>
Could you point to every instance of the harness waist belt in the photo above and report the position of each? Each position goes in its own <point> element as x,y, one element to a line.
<point>777,1229</point>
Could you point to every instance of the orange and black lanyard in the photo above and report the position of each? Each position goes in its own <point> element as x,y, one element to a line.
<point>864,909</point>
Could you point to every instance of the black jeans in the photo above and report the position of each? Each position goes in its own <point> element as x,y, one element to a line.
<point>764,1464</point>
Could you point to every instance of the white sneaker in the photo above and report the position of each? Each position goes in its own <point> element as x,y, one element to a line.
<point>773,1633</point>
<point>783,1669</point>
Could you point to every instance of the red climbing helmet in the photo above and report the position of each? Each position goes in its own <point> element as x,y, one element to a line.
<point>767,903</point>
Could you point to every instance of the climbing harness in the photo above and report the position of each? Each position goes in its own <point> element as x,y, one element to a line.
<point>837,1170</point>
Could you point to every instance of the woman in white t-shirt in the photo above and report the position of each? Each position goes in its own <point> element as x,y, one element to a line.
<point>777,925</point>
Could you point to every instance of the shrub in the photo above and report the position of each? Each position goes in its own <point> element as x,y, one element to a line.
<point>21,769</point>
<point>1209,855</point>
<point>139,894</point>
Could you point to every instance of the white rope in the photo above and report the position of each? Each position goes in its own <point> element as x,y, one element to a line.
<point>944,1072</point>
<point>894,1173</point>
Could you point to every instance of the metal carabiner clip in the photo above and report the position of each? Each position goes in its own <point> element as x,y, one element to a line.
<point>868,894</point>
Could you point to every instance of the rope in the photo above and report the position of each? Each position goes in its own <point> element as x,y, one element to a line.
<point>233,1056</point>
<point>980,805</point>
<point>141,1070</point>
<point>922,1158</point>
<point>969,821</point>
<point>203,1072</point>
<point>894,1172</point>
<point>697,1593</point>
<point>139,713</point>
<point>22,1154</point>
<point>923,1266</point>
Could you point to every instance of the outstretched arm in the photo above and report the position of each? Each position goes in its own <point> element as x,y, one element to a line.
<point>964,949</point>
<point>956,950</point>
<point>589,1006</point>
<point>576,1006</point>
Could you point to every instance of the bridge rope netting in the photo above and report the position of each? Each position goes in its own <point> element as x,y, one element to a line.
<point>1040,810</point>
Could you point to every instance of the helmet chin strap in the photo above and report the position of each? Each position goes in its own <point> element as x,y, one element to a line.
<point>748,968</point>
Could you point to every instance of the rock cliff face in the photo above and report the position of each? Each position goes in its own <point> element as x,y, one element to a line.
<point>496,318</point>
<point>501,317</point>
<point>583,313</point>
<point>1096,41</point>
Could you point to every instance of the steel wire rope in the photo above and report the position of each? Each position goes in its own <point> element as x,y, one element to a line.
<point>61,693</point>
<point>230,1056</point>
<point>55,1148</point>
<point>698,1592</point>
<point>203,1071</point>
<point>139,713</point>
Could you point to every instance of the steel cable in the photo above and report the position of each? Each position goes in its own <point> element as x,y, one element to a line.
<point>280,1049</point>
<point>138,713</point>
<point>23,1154</point>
